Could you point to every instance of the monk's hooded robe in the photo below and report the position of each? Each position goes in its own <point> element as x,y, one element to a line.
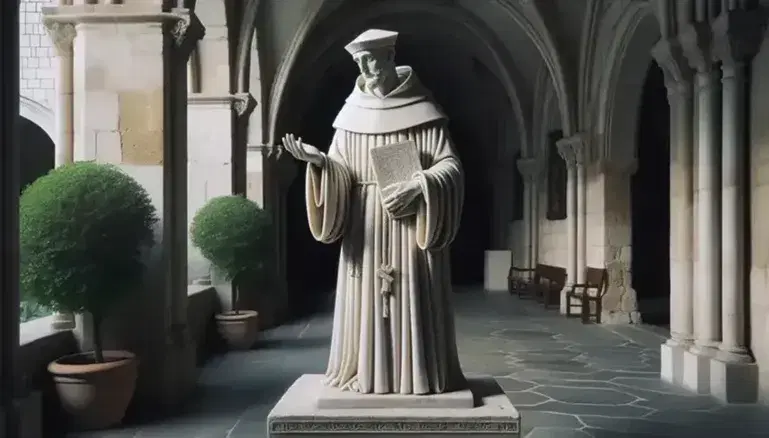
<point>402,341</point>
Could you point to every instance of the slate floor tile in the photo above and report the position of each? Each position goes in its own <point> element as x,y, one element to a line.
<point>568,380</point>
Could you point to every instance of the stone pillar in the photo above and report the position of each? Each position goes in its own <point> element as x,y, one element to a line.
<point>737,36</point>
<point>9,207</point>
<point>695,40</point>
<point>63,35</point>
<point>531,171</point>
<point>526,168</point>
<point>669,56</point>
<point>213,171</point>
<point>566,151</point>
<point>580,154</point>
<point>130,109</point>
<point>264,186</point>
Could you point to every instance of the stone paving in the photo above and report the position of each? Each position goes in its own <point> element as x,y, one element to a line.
<point>567,379</point>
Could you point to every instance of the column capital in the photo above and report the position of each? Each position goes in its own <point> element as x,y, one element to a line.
<point>530,168</point>
<point>695,40</point>
<point>573,149</point>
<point>62,35</point>
<point>737,35</point>
<point>670,57</point>
<point>244,104</point>
<point>187,31</point>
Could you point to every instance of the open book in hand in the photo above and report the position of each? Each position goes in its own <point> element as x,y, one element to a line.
<point>395,163</point>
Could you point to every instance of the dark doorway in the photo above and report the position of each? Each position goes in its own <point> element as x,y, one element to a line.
<point>650,203</point>
<point>312,266</point>
<point>37,152</point>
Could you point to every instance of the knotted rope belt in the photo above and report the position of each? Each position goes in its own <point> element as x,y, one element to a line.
<point>386,272</point>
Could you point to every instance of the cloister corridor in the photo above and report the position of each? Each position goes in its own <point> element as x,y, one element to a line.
<point>569,380</point>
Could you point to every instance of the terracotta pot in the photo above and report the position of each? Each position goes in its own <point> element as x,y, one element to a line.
<point>240,329</point>
<point>96,395</point>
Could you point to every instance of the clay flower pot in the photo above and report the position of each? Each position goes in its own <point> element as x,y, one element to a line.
<point>96,395</point>
<point>240,329</point>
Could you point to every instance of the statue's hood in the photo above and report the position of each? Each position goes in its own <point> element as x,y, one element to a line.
<point>409,104</point>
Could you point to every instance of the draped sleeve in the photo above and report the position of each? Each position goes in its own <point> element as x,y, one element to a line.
<point>327,194</point>
<point>443,192</point>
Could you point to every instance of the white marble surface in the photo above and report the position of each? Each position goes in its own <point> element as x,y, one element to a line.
<point>297,414</point>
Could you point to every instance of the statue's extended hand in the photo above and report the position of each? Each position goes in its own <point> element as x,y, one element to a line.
<point>396,198</point>
<point>302,151</point>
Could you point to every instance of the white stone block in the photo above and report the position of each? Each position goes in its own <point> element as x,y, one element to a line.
<point>734,382</point>
<point>297,415</point>
<point>672,363</point>
<point>101,111</point>
<point>108,147</point>
<point>696,373</point>
<point>497,267</point>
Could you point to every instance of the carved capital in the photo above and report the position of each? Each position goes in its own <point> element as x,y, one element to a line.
<point>695,40</point>
<point>530,168</point>
<point>670,57</point>
<point>243,104</point>
<point>737,35</point>
<point>187,31</point>
<point>62,35</point>
<point>573,150</point>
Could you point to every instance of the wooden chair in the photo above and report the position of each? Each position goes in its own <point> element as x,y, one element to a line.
<point>518,280</point>
<point>591,291</point>
<point>547,283</point>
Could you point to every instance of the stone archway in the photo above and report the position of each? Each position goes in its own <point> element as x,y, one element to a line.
<point>620,97</point>
<point>37,152</point>
<point>466,82</point>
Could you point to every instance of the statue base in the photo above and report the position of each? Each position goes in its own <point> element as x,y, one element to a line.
<point>308,407</point>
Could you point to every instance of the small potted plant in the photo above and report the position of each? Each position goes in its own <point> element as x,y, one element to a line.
<point>235,235</point>
<point>83,229</point>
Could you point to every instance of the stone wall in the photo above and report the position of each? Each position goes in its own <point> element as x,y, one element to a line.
<point>612,185</point>
<point>759,206</point>
<point>37,70</point>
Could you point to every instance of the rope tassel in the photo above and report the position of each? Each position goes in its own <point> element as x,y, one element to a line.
<point>385,273</point>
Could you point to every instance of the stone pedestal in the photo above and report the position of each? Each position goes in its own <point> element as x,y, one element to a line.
<point>299,413</point>
<point>696,373</point>
<point>672,363</point>
<point>734,382</point>
<point>497,267</point>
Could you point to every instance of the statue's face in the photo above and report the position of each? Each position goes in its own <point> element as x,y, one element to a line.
<point>376,66</point>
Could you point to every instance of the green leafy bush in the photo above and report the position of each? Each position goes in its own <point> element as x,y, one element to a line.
<point>83,227</point>
<point>235,235</point>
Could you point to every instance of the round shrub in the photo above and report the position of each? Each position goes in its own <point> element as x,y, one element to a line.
<point>83,227</point>
<point>234,234</point>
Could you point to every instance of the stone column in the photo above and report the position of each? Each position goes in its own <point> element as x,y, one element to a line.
<point>9,207</point>
<point>566,151</point>
<point>130,109</point>
<point>695,40</point>
<point>580,154</point>
<point>529,171</point>
<point>737,36</point>
<point>214,171</point>
<point>63,35</point>
<point>669,57</point>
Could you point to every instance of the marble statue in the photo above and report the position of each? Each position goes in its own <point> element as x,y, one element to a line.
<point>393,329</point>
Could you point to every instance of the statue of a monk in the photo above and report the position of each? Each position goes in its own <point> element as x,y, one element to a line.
<point>393,329</point>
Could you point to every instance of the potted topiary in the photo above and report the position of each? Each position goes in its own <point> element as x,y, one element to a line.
<point>83,228</point>
<point>235,235</point>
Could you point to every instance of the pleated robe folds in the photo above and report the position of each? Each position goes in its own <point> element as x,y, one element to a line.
<point>413,349</point>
